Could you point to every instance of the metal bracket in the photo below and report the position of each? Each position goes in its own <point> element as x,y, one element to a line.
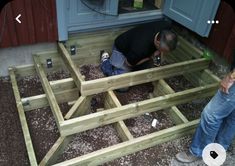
<point>49,63</point>
<point>72,49</point>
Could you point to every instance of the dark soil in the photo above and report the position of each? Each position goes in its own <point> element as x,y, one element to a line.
<point>89,141</point>
<point>31,85</point>
<point>135,94</point>
<point>190,110</point>
<point>91,72</point>
<point>193,110</point>
<point>142,125</point>
<point>160,155</point>
<point>179,83</point>
<point>97,102</point>
<point>43,130</point>
<point>13,150</point>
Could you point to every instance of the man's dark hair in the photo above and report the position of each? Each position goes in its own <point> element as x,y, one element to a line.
<point>168,38</point>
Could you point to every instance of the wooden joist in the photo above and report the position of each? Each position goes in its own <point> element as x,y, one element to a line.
<point>80,107</point>
<point>139,77</point>
<point>76,75</point>
<point>63,84</point>
<point>56,150</point>
<point>197,78</point>
<point>40,101</point>
<point>113,102</point>
<point>23,121</point>
<point>94,120</point>
<point>189,48</point>
<point>162,88</point>
<point>131,146</point>
<point>49,93</point>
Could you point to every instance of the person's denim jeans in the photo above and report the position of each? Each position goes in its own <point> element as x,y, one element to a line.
<point>217,124</point>
<point>115,65</point>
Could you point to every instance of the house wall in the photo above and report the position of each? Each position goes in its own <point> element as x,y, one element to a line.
<point>222,36</point>
<point>39,23</point>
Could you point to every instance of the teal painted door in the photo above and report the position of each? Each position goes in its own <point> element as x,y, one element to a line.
<point>88,12</point>
<point>193,14</point>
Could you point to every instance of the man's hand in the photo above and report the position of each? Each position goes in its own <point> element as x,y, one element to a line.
<point>157,58</point>
<point>226,83</point>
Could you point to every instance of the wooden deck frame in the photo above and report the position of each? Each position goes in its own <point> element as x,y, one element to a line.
<point>129,79</point>
<point>131,146</point>
<point>49,93</point>
<point>24,125</point>
<point>112,101</point>
<point>114,112</point>
<point>94,120</point>
<point>162,88</point>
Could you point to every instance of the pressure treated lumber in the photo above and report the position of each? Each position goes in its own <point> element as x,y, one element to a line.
<point>139,77</point>
<point>113,102</point>
<point>76,75</point>
<point>55,151</point>
<point>197,78</point>
<point>162,88</point>
<point>131,146</point>
<point>80,107</point>
<point>64,90</point>
<point>49,93</point>
<point>23,121</point>
<point>63,84</point>
<point>40,101</point>
<point>90,55</point>
<point>189,48</point>
<point>94,120</point>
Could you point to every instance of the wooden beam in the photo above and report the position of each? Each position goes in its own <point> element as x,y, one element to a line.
<point>189,48</point>
<point>76,75</point>
<point>59,146</point>
<point>23,121</point>
<point>110,153</point>
<point>81,107</point>
<point>40,101</point>
<point>49,93</point>
<point>56,150</point>
<point>139,77</point>
<point>207,74</point>
<point>29,70</point>
<point>162,88</point>
<point>63,84</point>
<point>197,78</point>
<point>94,120</point>
<point>113,102</point>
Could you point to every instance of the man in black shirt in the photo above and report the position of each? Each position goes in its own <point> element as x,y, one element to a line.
<point>134,49</point>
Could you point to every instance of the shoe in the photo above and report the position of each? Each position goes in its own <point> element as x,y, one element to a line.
<point>104,55</point>
<point>186,157</point>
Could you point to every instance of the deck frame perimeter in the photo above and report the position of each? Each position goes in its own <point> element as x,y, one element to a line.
<point>78,92</point>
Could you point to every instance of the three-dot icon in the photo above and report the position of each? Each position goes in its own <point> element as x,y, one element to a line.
<point>213,21</point>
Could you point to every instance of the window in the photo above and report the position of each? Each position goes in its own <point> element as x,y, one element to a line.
<point>127,6</point>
